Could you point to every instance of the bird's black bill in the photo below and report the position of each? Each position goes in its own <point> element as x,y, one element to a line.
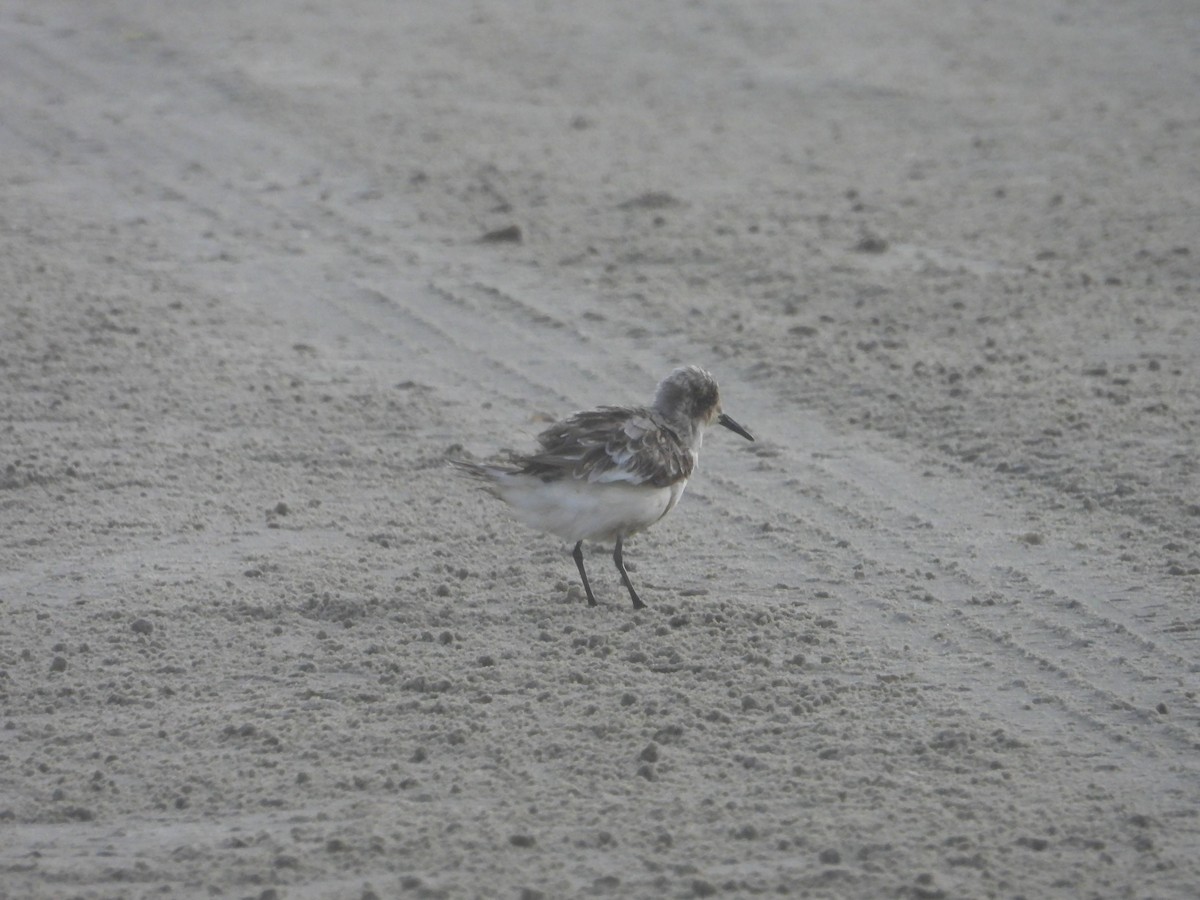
<point>733,426</point>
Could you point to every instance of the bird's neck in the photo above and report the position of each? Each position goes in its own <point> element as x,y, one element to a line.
<point>689,431</point>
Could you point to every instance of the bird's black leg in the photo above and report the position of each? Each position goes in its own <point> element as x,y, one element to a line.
<point>578,554</point>
<point>637,601</point>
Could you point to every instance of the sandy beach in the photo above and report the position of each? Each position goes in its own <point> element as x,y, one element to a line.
<point>266,266</point>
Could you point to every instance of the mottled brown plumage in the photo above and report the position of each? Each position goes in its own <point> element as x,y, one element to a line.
<point>611,443</point>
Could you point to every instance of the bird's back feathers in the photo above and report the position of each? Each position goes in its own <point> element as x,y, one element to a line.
<point>610,444</point>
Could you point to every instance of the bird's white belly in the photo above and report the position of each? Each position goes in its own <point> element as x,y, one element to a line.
<point>577,510</point>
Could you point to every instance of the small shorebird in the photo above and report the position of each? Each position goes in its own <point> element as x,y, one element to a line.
<point>607,473</point>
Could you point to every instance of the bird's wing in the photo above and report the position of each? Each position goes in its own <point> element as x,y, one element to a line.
<point>612,444</point>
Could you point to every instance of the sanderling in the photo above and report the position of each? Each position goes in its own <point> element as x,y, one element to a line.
<point>607,473</point>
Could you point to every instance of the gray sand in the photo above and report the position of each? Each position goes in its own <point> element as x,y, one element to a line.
<point>932,636</point>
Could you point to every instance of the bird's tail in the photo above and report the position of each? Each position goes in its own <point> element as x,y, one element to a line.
<point>490,475</point>
<point>467,467</point>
